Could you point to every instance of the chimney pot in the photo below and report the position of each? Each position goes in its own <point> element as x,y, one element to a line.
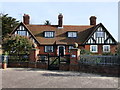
<point>26,19</point>
<point>93,20</point>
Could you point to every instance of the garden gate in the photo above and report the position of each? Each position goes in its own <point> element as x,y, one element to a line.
<point>54,62</point>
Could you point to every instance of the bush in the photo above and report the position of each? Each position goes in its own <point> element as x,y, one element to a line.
<point>85,52</point>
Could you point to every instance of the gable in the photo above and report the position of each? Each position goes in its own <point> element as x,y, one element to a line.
<point>22,30</point>
<point>100,36</point>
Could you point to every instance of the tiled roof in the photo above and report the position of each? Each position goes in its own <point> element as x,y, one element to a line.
<point>84,32</point>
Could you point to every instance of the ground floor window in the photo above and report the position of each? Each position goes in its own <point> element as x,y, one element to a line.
<point>106,48</point>
<point>69,48</point>
<point>94,48</point>
<point>48,48</point>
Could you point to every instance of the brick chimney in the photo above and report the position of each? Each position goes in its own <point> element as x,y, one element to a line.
<point>60,20</point>
<point>93,20</point>
<point>26,19</point>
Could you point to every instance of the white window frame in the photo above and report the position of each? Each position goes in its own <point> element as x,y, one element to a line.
<point>49,34</point>
<point>46,47</point>
<point>91,46</point>
<point>106,46</point>
<point>72,34</point>
<point>99,34</point>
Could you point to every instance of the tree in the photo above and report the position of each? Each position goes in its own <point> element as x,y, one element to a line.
<point>47,22</point>
<point>16,44</point>
<point>8,24</point>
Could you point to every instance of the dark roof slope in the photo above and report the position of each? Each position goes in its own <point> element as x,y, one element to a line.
<point>61,34</point>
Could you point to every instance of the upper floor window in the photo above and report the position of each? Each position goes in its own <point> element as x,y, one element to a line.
<point>72,34</point>
<point>22,33</point>
<point>106,48</point>
<point>99,34</point>
<point>49,34</point>
<point>94,48</point>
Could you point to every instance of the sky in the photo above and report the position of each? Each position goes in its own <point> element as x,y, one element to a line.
<point>74,13</point>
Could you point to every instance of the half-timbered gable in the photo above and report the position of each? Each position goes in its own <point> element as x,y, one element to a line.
<point>22,30</point>
<point>100,36</point>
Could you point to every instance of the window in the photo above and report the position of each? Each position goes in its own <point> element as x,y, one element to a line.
<point>72,34</point>
<point>100,34</point>
<point>49,34</point>
<point>94,48</point>
<point>106,48</point>
<point>48,48</point>
<point>70,47</point>
<point>22,33</point>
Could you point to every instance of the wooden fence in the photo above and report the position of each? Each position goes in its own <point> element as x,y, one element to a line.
<point>99,60</point>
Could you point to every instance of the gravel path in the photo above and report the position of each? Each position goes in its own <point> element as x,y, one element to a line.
<point>36,78</point>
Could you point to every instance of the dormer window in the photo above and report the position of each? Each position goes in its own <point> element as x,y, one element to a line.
<point>72,34</point>
<point>49,34</point>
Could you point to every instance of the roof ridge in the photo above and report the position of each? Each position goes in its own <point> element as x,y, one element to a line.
<point>63,25</point>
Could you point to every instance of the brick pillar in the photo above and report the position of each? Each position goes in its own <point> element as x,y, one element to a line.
<point>74,57</point>
<point>33,58</point>
<point>75,53</point>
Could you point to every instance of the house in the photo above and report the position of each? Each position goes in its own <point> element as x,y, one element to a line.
<point>59,39</point>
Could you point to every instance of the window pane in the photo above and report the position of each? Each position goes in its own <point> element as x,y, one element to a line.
<point>22,33</point>
<point>106,48</point>
<point>100,34</point>
<point>48,48</point>
<point>93,48</point>
<point>70,47</point>
<point>72,34</point>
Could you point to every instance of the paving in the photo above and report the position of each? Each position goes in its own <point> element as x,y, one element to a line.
<point>37,78</point>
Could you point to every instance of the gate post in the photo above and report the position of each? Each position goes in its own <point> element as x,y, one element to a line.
<point>33,57</point>
<point>74,57</point>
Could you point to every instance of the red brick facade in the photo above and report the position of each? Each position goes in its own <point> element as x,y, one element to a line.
<point>100,49</point>
<point>86,47</point>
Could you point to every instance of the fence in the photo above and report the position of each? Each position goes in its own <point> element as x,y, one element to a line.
<point>99,60</point>
<point>16,57</point>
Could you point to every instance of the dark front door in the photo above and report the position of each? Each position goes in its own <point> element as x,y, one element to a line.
<point>61,51</point>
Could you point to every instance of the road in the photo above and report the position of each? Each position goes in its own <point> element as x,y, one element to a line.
<point>36,78</point>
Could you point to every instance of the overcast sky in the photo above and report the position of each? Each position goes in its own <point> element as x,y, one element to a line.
<point>75,13</point>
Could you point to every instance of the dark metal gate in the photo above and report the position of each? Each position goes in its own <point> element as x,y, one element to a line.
<point>53,62</point>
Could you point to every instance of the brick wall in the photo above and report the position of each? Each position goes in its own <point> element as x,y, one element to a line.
<point>105,70</point>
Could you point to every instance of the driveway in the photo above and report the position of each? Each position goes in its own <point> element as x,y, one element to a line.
<point>36,78</point>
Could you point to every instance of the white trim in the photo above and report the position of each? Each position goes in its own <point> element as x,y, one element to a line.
<point>58,49</point>
<point>104,48</point>
<point>96,48</point>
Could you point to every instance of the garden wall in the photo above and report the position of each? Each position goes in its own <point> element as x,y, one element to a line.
<point>99,69</point>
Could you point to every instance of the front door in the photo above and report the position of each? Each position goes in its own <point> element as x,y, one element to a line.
<point>61,50</point>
